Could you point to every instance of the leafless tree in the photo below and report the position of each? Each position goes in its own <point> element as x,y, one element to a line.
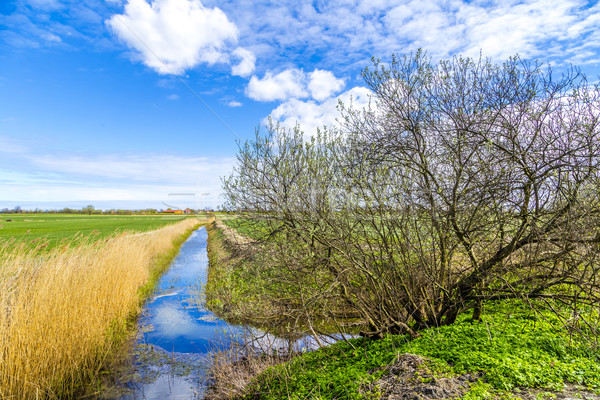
<point>464,183</point>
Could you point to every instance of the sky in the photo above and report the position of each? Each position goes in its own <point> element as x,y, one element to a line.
<point>141,103</point>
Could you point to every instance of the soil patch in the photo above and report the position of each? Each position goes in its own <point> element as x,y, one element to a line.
<point>409,378</point>
<point>571,392</point>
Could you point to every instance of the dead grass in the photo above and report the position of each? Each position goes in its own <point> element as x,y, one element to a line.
<point>63,313</point>
<point>232,370</point>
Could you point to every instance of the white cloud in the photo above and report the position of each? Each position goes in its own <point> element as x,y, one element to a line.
<point>51,37</point>
<point>10,145</point>
<point>537,28</point>
<point>136,168</point>
<point>346,33</point>
<point>521,28</point>
<point>286,84</point>
<point>311,115</point>
<point>323,84</point>
<point>247,62</point>
<point>294,83</point>
<point>43,176</point>
<point>234,103</point>
<point>45,4</point>
<point>171,36</point>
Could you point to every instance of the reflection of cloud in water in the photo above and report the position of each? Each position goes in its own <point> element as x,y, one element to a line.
<point>267,343</point>
<point>166,294</point>
<point>170,321</point>
<point>165,387</point>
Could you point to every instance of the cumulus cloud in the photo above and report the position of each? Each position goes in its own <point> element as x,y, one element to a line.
<point>311,115</point>
<point>294,83</point>
<point>323,84</point>
<point>286,84</point>
<point>171,36</point>
<point>234,103</point>
<point>247,62</point>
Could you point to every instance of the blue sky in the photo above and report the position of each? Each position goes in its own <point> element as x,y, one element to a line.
<point>128,103</point>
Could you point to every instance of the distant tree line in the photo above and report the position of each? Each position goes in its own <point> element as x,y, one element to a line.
<point>90,209</point>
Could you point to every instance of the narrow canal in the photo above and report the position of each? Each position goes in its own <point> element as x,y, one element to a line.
<point>176,332</point>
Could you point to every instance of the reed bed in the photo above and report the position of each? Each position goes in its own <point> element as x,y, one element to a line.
<point>64,312</point>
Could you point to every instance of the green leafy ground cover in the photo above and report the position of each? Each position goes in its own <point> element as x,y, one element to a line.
<point>254,229</point>
<point>511,349</point>
<point>57,228</point>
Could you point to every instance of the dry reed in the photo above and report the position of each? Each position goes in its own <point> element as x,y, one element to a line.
<point>63,313</point>
<point>232,369</point>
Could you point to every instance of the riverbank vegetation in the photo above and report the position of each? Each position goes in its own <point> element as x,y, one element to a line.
<point>245,287</point>
<point>65,313</point>
<point>464,187</point>
<point>513,351</point>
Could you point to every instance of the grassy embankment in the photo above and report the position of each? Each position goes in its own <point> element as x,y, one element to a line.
<point>512,352</point>
<point>66,312</point>
<point>229,293</point>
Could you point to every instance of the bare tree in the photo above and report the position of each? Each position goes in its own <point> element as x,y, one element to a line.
<point>465,182</point>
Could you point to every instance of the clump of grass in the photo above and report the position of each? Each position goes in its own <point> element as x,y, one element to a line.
<point>64,313</point>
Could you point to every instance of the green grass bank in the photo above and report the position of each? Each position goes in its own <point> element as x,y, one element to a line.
<point>513,352</point>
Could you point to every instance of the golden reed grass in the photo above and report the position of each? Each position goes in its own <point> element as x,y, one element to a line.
<point>63,312</point>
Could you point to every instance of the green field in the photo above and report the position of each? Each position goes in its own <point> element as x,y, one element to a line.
<point>57,228</point>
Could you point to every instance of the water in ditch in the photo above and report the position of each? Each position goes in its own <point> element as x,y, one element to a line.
<point>176,332</point>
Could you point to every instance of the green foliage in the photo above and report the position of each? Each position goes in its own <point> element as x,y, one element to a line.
<point>513,350</point>
<point>332,372</point>
<point>248,287</point>
<point>516,349</point>
<point>253,228</point>
<point>234,293</point>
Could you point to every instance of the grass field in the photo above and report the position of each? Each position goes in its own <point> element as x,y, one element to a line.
<point>57,228</point>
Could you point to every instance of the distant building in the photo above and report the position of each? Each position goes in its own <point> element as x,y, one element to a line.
<point>172,212</point>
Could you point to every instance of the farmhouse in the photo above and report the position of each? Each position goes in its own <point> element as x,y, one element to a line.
<point>169,211</point>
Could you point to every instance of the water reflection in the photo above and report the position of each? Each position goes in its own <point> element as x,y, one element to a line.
<point>177,333</point>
